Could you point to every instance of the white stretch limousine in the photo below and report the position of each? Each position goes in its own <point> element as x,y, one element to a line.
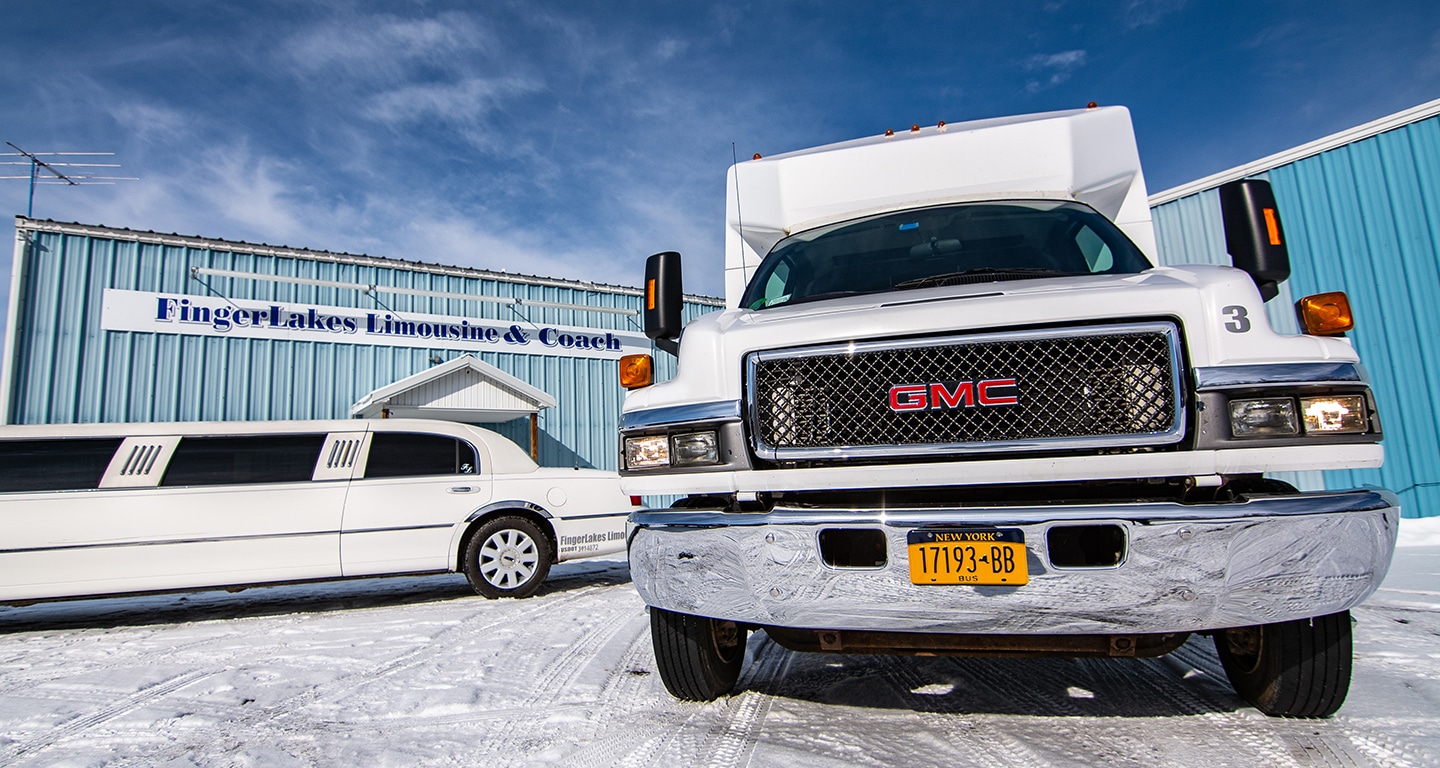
<point>103,509</point>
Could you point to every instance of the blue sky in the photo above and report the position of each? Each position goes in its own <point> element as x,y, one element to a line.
<point>574,139</point>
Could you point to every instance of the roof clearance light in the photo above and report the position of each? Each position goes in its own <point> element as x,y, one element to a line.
<point>1325,314</point>
<point>637,371</point>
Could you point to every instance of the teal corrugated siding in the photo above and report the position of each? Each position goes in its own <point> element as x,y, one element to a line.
<point>1363,218</point>
<point>68,370</point>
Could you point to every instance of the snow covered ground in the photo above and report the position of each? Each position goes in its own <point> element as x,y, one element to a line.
<point>418,671</point>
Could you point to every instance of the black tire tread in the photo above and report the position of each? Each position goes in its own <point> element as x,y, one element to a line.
<point>689,668</point>
<point>1304,667</point>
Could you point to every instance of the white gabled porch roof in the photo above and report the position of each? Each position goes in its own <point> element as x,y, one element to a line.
<point>464,389</point>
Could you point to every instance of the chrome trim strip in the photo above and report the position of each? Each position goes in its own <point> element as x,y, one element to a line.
<point>167,542</point>
<point>1270,506</point>
<point>595,516</point>
<point>398,528</point>
<point>724,410</point>
<point>1225,376</point>
<point>1173,435</point>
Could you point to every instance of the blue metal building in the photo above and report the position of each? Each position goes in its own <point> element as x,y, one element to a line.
<point>115,325</point>
<point>1361,212</point>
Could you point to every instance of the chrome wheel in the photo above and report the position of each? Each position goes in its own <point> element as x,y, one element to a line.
<point>508,558</point>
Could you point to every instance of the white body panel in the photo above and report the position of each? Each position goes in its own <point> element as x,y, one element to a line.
<point>1087,155</point>
<point>134,535</point>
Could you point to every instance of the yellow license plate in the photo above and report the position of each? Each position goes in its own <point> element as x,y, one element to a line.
<point>975,556</point>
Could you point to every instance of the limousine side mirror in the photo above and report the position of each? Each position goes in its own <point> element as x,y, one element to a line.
<point>664,300</point>
<point>1253,235</point>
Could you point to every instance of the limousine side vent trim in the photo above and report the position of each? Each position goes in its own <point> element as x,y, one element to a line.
<point>340,455</point>
<point>139,462</point>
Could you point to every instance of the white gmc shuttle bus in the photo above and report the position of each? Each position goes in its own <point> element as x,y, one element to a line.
<point>102,509</point>
<point>954,407</point>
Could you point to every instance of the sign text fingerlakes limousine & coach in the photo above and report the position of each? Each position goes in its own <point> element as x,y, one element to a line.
<point>190,315</point>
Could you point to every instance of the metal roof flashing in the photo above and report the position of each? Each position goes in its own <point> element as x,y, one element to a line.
<point>1333,141</point>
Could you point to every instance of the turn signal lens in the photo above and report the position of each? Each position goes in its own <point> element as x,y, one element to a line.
<point>1336,414</point>
<point>1270,417</point>
<point>1325,314</point>
<point>637,371</point>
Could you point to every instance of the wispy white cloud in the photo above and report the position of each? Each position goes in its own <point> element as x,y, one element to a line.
<point>469,99</point>
<point>1052,68</point>
<point>383,46</point>
<point>1144,13</point>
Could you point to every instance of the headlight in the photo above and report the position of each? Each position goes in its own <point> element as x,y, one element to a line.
<point>647,452</point>
<point>1265,417</point>
<point>1335,414</point>
<point>694,448</point>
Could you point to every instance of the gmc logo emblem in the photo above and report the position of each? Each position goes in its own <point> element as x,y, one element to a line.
<point>941,396</point>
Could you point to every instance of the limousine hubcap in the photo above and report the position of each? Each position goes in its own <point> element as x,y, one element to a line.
<point>508,558</point>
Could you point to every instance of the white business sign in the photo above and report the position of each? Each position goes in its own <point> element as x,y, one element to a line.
<point>218,317</point>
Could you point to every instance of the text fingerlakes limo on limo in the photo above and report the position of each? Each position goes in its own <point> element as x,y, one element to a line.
<point>102,509</point>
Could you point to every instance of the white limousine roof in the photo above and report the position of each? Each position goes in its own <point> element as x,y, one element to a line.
<point>504,456</point>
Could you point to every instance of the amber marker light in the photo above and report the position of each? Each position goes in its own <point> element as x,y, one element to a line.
<point>636,371</point>
<point>1326,314</point>
<point>1272,226</point>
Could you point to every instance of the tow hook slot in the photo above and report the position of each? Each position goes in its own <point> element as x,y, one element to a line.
<point>852,547</point>
<point>1086,546</point>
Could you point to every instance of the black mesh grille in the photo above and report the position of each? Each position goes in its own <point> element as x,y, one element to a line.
<point>1114,386</point>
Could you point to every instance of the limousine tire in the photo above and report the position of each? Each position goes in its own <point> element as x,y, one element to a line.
<point>508,557</point>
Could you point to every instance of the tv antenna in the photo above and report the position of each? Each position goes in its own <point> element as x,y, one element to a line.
<point>52,167</point>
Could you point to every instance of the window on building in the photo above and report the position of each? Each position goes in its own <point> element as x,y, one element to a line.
<point>54,465</point>
<point>243,460</point>
<point>406,454</point>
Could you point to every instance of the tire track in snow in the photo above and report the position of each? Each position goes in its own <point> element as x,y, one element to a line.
<point>285,719</point>
<point>554,679</point>
<point>76,726</point>
<point>746,713</point>
<point>967,734</point>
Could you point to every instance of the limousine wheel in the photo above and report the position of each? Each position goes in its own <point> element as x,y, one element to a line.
<point>1297,668</point>
<point>699,659</point>
<point>507,557</point>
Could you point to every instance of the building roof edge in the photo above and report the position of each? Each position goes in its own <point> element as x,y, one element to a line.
<point>1348,136</point>
<point>339,257</point>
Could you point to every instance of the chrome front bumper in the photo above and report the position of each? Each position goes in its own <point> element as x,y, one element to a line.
<point>1188,567</point>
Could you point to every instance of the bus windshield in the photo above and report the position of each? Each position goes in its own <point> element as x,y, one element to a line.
<point>946,245</point>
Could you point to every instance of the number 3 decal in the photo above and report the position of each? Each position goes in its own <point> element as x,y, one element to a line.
<point>1239,319</point>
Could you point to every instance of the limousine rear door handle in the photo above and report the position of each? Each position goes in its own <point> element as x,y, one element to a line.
<point>463,489</point>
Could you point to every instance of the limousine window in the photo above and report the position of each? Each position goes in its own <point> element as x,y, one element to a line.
<point>406,454</point>
<point>247,460</point>
<point>54,465</point>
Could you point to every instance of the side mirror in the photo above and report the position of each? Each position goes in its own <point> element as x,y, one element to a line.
<point>1253,235</point>
<point>664,299</point>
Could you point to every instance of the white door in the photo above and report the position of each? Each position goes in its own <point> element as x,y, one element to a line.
<point>400,516</point>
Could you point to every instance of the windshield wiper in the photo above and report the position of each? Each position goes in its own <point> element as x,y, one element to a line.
<point>985,275</point>
<point>818,297</point>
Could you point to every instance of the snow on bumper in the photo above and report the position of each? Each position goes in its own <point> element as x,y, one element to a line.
<point>1187,567</point>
